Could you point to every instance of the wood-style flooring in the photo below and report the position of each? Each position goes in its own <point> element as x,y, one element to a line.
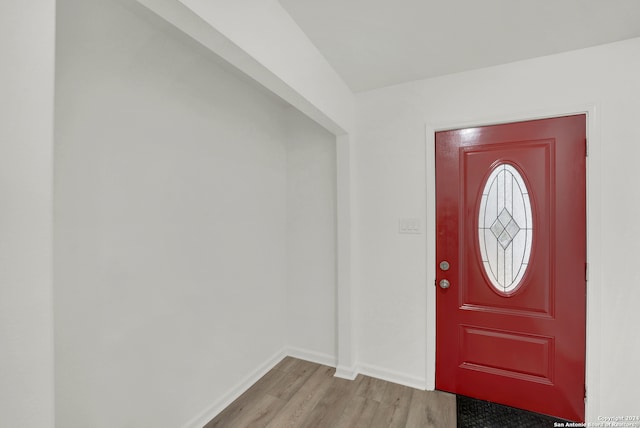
<point>297,393</point>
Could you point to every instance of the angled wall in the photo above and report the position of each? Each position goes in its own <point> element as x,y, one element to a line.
<point>262,41</point>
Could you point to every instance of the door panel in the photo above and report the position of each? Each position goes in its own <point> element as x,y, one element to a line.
<point>529,356</point>
<point>534,157</point>
<point>511,222</point>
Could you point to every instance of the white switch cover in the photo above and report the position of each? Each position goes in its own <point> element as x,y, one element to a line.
<point>409,225</point>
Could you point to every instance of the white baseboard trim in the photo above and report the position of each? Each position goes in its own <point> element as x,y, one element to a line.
<point>313,356</point>
<point>349,373</point>
<point>219,405</point>
<point>392,376</point>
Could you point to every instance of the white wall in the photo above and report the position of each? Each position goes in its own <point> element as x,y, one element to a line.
<point>194,224</point>
<point>311,240</point>
<point>390,164</point>
<point>262,41</point>
<point>26,146</point>
<point>170,222</point>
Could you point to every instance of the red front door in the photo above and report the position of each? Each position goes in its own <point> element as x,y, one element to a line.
<point>511,258</point>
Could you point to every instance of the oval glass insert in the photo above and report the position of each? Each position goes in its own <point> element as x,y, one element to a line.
<point>505,228</point>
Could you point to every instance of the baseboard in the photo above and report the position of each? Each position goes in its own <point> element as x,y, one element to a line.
<point>349,373</point>
<point>219,405</point>
<point>391,376</point>
<point>313,356</point>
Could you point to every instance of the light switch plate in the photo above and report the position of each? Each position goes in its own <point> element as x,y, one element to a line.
<point>409,225</point>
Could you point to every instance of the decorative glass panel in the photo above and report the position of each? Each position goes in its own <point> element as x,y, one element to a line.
<point>505,228</point>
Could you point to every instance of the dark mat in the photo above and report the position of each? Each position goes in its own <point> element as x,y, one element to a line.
<point>474,413</point>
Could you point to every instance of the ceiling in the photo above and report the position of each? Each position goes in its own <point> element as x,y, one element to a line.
<point>376,43</point>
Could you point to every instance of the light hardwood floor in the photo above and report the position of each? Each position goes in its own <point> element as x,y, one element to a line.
<point>297,393</point>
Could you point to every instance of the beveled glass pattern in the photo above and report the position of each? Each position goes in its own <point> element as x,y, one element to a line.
<point>505,228</point>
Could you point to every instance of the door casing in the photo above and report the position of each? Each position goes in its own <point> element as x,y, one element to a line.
<point>594,240</point>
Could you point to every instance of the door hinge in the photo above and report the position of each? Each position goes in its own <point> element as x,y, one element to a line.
<point>586,148</point>
<point>585,393</point>
<point>586,272</point>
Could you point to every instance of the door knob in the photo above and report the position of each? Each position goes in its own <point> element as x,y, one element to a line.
<point>444,265</point>
<point>444,284</point>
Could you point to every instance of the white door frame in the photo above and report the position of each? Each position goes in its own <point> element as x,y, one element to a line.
<point>594,239</point>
